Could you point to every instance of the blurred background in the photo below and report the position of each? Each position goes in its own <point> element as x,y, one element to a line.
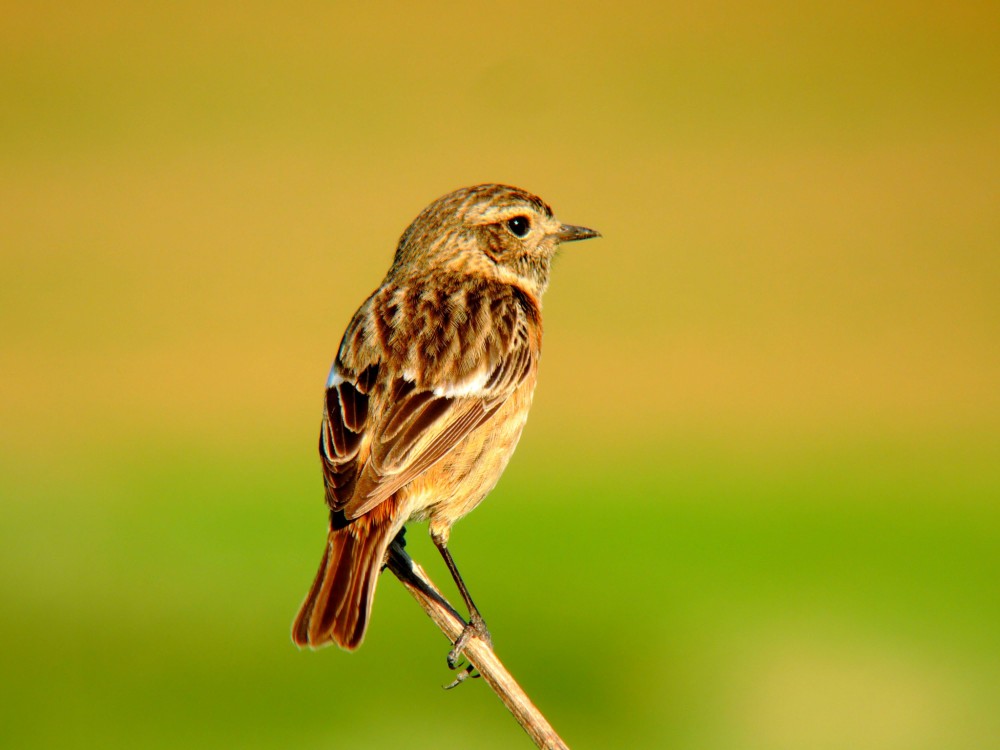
<point>756,503</point>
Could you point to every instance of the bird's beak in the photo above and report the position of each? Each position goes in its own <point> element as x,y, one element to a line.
<point>570,233</point>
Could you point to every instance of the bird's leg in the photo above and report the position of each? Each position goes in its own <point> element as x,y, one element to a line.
<point>476,625</point>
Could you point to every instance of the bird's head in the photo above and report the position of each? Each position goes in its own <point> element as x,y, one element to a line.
<point>497,231</point>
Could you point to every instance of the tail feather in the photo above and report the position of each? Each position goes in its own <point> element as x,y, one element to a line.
<point>339,603</point>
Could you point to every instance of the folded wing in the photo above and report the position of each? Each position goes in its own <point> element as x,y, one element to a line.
<point>392,413</point>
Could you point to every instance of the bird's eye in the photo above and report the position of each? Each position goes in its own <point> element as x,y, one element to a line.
<point>519,226</point>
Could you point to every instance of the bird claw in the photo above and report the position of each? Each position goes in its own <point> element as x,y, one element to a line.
<point>469,671</point>
<point>476,627</point>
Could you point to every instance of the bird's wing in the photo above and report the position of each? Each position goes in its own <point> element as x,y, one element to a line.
<point>386,424</point>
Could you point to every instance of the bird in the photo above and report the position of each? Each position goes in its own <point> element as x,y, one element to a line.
<point>428,395</point>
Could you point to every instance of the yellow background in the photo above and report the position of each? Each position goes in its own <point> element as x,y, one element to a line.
<point>756,503</point>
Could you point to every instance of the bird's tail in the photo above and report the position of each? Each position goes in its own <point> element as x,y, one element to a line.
<point>340,601</point>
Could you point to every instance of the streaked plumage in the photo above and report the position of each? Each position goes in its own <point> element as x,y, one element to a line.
<point>429,392</point>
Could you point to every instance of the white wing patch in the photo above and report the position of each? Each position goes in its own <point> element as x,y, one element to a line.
<point>468,387</point>
<point>333,379</point>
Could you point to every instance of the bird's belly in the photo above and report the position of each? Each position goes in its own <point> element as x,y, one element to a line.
<point>459,482</point>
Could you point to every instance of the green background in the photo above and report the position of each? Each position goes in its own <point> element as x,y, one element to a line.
<point>756,503</point>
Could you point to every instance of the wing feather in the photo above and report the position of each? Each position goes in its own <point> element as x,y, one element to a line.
<point>383,426</point>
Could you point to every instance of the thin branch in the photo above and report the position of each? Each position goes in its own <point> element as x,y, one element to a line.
<point>479,654</point>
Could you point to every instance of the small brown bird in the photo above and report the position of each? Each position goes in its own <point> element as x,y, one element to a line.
<point>429,392</point>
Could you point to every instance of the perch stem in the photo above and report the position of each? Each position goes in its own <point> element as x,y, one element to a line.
<point>479,654</point>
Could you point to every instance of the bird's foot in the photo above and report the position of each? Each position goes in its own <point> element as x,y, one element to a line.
<point>466,673</point>
<point>475,628</point>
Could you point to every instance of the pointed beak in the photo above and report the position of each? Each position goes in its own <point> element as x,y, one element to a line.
<point>570,233</point>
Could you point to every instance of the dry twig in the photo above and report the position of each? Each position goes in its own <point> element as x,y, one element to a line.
<point>479,654</point>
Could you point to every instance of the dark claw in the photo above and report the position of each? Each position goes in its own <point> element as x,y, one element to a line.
<point>466,673</point>
<point>476,627</point>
